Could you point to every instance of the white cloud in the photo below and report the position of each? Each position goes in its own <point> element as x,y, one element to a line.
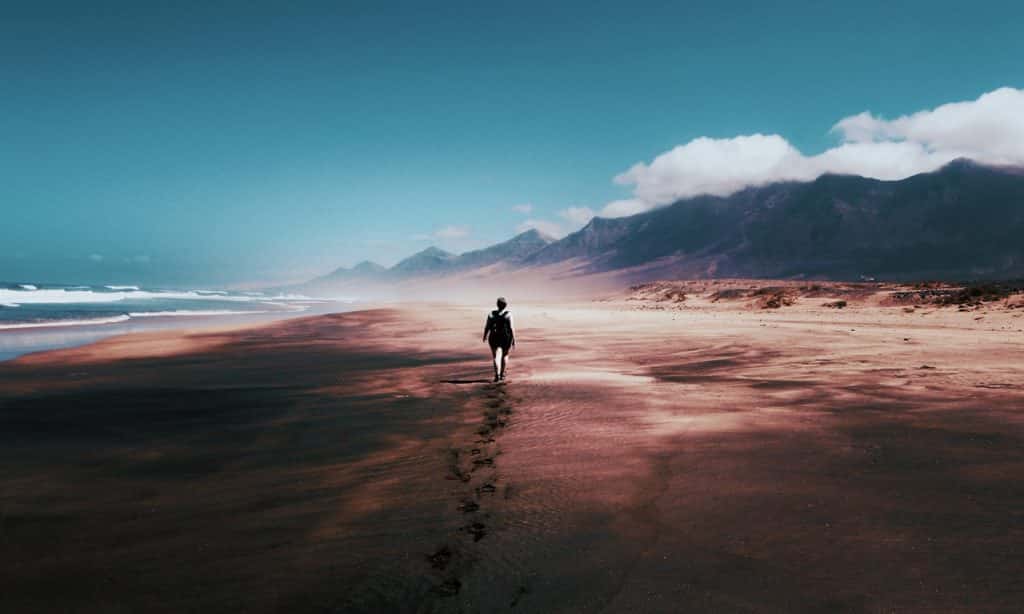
<point>452,232</point>
<point>714,166</point>
<point>577,217</point>
<point>525,208</point>
<point>573,218</point>
<point>989,130</point>
<point>96,257</point>
<point>446,233</point>
<point>623,208</point>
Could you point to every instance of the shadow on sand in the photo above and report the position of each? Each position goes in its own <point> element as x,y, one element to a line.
<point>466,381</point>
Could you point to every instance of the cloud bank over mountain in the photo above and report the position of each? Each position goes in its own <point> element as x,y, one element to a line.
<point>989,130</point>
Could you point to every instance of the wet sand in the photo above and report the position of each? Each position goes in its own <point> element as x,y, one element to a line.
<point>701,457</point>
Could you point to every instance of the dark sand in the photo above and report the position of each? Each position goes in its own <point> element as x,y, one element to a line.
<point>717,460</point>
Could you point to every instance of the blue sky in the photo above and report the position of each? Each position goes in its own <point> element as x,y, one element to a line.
<point>217,143</point>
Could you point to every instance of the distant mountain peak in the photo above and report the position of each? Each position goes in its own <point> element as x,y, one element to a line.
<point>534,234</point>
<point>430,260</point>
<point>961,163</point>
<point>363,272</point>
<point>970,165</point>
<point>368,266</point>
<point>596,223</point>
<point>432,251</point>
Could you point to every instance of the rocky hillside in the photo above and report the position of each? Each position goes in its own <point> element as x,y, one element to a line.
<point>964,221</point>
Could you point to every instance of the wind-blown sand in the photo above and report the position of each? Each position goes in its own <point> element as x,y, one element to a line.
<point>647,455</point>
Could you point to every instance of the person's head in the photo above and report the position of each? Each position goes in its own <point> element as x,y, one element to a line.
<point>502,303</point>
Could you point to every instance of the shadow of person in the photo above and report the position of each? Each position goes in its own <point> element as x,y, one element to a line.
<point>465,381</point>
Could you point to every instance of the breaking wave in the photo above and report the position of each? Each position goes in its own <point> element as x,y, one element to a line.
<point>44,306</point>
<point>54,323</point>
<point>195,312</point>
<point>113,294</point>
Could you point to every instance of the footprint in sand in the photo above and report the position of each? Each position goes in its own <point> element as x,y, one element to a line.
<point>456,473</point>
<point>454,468</point>
<point>448,588</point>
<point>441,558</point>
<point>495,417</point>
<point>483,462</point>
<point>478,530</point>
<point>520,593</point>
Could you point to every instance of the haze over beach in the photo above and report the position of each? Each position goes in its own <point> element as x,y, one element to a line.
<point>762,314</point>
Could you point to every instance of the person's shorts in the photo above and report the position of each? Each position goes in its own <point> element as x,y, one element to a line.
<point>504,344</point>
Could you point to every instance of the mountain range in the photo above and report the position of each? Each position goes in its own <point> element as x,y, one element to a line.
<point>963,221</point>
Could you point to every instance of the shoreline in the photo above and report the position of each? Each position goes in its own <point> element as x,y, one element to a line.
<point>23,339</point>
<point>644,455</point>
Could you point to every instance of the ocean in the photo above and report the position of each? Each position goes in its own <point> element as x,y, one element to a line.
<point>37,316</point>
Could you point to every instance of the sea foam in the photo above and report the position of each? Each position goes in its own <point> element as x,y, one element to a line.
<point>54,323</point>
<point>194,312</point>
<point>60,296</point>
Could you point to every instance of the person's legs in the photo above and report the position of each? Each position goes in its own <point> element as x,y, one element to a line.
<point>494,359</point>
<point>504,361</point>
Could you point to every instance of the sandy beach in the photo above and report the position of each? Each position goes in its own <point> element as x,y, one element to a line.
<point>703,451</point>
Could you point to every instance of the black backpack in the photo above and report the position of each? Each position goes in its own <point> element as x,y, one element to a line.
<point>500,325</point>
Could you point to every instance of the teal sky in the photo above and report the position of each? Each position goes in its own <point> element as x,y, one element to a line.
<point>217,143</point>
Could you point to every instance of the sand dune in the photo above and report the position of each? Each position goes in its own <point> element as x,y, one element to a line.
<point>673,448</point>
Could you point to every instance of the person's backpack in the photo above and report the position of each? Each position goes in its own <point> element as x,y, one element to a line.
<point>501,325</point>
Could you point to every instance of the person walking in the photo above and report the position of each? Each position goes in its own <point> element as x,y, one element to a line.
<point>498,332</point>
